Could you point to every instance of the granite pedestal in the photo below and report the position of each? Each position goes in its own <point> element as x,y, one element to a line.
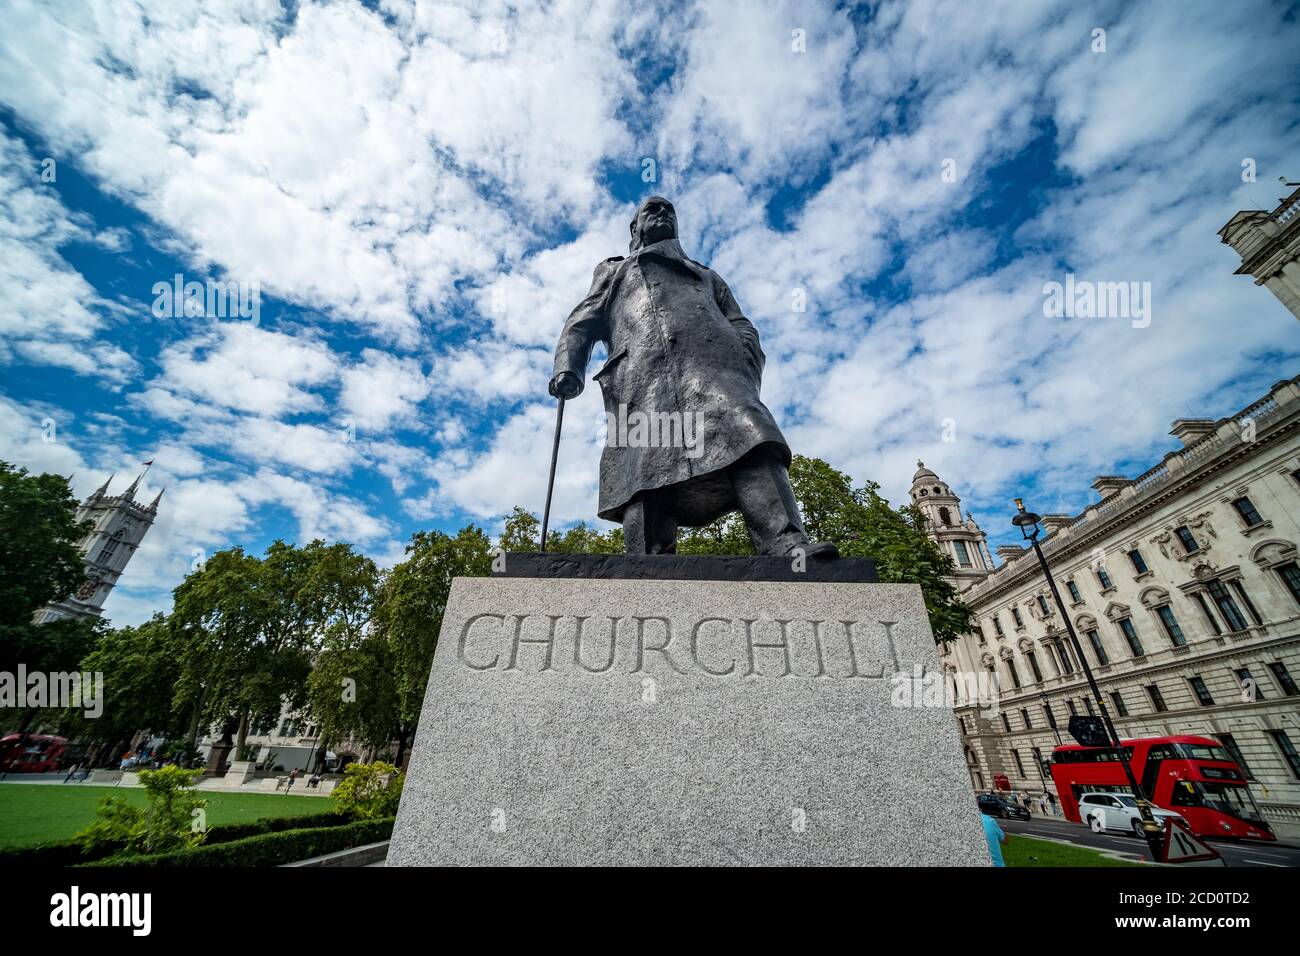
<point>677,722</point>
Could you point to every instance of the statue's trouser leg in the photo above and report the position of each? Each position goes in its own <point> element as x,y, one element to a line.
<point>650,523</point>
<point>767,502</point>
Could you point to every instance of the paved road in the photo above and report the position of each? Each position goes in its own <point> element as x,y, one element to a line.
<point>1236,854</point>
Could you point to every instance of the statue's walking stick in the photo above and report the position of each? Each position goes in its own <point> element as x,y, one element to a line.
<point>550,485</point>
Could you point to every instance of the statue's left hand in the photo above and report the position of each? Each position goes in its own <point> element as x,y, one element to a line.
<point>566,385</point>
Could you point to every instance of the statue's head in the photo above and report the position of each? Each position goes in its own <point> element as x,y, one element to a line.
<point>656,220</point>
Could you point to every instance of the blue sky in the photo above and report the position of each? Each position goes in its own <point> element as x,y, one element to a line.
<point>421,191</point>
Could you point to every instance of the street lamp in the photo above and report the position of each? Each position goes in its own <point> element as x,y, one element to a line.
<point>1027,522</point>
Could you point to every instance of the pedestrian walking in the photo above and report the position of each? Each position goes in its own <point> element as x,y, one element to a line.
<point>293,775</point>
<point>1051,798</point>
<point>72,772</point>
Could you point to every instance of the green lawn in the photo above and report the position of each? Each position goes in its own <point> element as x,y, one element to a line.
<point>35,813</point>
<point>1026,851</point>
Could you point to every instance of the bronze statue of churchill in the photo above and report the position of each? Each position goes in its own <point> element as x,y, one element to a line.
<point>678,345</point>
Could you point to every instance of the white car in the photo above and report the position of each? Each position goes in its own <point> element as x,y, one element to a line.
<point>1118,811</point>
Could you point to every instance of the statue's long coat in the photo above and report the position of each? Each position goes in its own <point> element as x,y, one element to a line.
<point>677,342</point>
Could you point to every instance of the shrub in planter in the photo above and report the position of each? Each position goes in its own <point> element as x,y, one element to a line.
<point>266,849</point>
<point>369,790</point>
<point>74,852</point>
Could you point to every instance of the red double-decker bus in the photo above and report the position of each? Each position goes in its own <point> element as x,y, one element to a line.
<point>1193,776</point>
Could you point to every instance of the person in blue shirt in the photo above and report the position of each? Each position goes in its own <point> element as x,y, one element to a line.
<point>995,836</point>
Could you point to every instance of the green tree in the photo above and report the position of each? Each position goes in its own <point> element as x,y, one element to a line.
<point>39,558</point>
<point>349,691</point>
<point>522,532</point>
<point>408,613</point>
<point>141,666</point>
<point>39,563</point>
<point>217,612</point>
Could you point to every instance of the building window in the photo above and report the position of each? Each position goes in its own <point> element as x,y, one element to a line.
<point>1033,666</point>
<point>944,519</point>
<point>1170,624</point>
<point>1020,767</point>
<point>1203,695</point>
<point>979,632</point>
<point>1139,564</point>
<point>1283,678</point>
<point>1250,691</point>
<point>1047,712</point>
<point>1042,605</point>
<point>109,547</point>
<point>1095,640</point>
<point>1024,715</point>
<point>1227,606</point>
<point>1290,575</point>
<point>1247,512</point>
<point>1067,667</point>
<point>1006,722</point>
<point>1076,597</point>
<point>1015,616</point>
<point>1015,674</point>
<point>1234,751</point>
<point>1245,599</point>
<point>1131,635</point>
<point>997,625</point>
<point>1069,703</point>
<point>963,556</point>
<point>1087,704</point>
<point>1288,751</point>
<point>1187,540</point>
<point>1157,699</point>
<point>1205,609</point>
<point>1118,700</point>
<point>1104,578</point>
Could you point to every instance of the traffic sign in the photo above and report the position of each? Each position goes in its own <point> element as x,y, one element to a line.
<point>1182,846</point>
<point>1090,731</point>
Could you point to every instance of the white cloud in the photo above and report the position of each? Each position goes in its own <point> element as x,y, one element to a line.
<point>241,367</point>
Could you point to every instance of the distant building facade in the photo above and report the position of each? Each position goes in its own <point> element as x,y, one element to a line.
<point>1183,587</point>
<point>119,524</point>
<point>1269,246</point>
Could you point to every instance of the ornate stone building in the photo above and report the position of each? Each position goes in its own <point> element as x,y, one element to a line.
<point>119,525</point>
<point>1184,590</point>
<point>1269,246</point>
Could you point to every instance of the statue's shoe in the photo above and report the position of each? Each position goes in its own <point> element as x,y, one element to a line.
<point>818,550</point>
<point>822,550</point>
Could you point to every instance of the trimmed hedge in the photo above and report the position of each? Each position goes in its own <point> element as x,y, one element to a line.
<point>266,849</point>
<point>70,852</point>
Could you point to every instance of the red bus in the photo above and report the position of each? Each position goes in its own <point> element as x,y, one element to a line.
<point>39,753</point>
<point>1192,776</point>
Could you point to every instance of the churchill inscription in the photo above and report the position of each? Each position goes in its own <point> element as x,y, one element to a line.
<point>665,722</point>
<point>718,646</point>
